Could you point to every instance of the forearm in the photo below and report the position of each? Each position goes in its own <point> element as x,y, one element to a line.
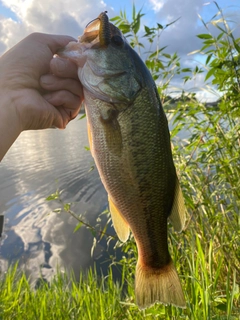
<point>9,124</point>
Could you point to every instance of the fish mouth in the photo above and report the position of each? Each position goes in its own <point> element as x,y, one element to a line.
<point>99,31</point>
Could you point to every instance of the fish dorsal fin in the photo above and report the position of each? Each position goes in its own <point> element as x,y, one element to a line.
<point>120,224</point>
<point>178,215</point>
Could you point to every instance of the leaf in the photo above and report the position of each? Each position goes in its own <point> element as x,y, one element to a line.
<point>136,25</point>
<point>78,226</point>
<point>159,26</point>
<point>217,6</point>
<point>115,18</point>
<point>209,42</point>
<point>103,232</point>
<point>160,65</point>
<point>237,47</point>
<point>186,79</point>
<point>147,29</point>
<point>204,36</point>
<point>221,29</point>
<point>53,196</point>
<point>202,21</point>
<point>57,210</point>
<point>167,25</point>
<point>220,36</point>
<point>140,44</point>
<point>222,306</point>
<point>208,58</point>
<point>186,70</point>
<point>91,169</point>
<point>193,52</point>
<point>154,54</point>
<point>133,11</point>
<point>93,246</point>
<point>124,27</point>
<point>210,73</point>
<point>82,117</point>
<point>166,55</point>
<point>67,206</point>
<point>87,148</point>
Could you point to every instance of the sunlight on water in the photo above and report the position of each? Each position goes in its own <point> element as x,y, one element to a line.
<point>37,164</point>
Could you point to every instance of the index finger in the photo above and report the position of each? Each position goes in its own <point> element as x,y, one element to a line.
<point>54,42</point>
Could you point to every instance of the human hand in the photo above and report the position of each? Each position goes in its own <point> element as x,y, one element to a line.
<point>39,91</point>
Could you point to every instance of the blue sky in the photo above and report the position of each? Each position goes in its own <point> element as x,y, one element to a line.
<point>18,18</point>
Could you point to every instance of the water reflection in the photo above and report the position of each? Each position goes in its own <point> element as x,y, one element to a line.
<point>33,234</point>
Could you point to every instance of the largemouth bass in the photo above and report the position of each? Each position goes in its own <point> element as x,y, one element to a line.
<point>130,143</point>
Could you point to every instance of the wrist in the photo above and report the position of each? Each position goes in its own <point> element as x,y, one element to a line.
<point>10,127</point>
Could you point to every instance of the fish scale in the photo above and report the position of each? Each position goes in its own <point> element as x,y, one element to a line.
<point>116,180</point>
<point>130,142</point>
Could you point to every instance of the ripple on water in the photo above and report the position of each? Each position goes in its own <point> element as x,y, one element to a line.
<point>38,163</point>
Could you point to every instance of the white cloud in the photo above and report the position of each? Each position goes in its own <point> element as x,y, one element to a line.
<point>56,17</point>
<point>69,17</point>
<point>156,4</point>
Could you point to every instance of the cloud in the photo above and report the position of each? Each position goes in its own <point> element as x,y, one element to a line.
<point>180,36</point>
<point>61,17</point>
<point>48,16</point>
<point>156,4</point>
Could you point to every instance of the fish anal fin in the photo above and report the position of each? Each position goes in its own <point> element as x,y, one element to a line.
<point>120,224</point>
<point>158,285</point>
<point>178,212</point>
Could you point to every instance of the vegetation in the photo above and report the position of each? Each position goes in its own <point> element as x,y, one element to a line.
<point>207,253</point>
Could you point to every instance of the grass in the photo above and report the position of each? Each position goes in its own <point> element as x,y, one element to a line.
<point>209,285</point>
<point>64,298</point>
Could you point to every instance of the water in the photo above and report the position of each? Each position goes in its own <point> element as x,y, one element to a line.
<point>37,164</point>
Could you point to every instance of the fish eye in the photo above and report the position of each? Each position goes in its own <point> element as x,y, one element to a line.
<point>117,40</point>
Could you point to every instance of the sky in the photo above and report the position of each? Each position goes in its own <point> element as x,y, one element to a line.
<point>18,18</point>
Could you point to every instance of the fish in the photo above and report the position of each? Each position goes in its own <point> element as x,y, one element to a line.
<point>130,142</point>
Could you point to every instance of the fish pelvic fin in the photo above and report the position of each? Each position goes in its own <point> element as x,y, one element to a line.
<point>90,138</point>
<point>119,223</point>
<point>178,212</point>
<point>158,285</point>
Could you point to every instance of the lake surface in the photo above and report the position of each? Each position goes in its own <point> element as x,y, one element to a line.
<point>37,164</point>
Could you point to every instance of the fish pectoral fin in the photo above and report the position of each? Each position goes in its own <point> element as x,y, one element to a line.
<point>177,215</point>
<point>112,130</point>
<point>120,224</point>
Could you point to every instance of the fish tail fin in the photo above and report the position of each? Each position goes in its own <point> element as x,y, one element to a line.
<point>158,285</point>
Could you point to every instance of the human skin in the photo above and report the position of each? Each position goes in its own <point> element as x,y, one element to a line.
<point>37,90</point>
